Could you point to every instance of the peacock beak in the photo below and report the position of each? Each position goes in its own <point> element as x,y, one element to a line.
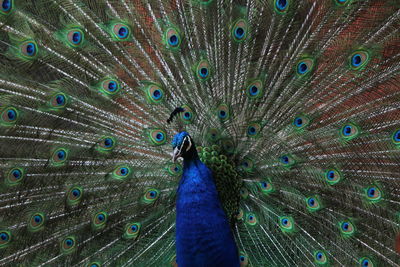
<point>176,154</point>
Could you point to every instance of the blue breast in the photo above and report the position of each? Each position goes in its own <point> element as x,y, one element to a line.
<point>203,234</point>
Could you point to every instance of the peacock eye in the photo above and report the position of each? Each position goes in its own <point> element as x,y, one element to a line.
<point>287,161</point>
<point>173,38</point>
<point>313,203</point>
<point>366,262</point>
<point>320,257</point>
<point>203,70</point>
<point>281,6</point>
<point>75,37</point>
<point>36,222</point>
<point>68,244</point>
<point>251,219</point>
<point>151,195</point>
<point>255,89</point>
<point>349,131</point>
<point>239,30</point>
<point>223,112</point>
<point>6,6</point>
<point>158,137</point>
<point>59,156</point>
<point>74,195</point>
<point>121,172</point>
<point>346,228</point>
<point>244,260</point>
<point>110,86</point>
<point>29,49</point>
<point>396,137</point>
<point>253,130</point>
<point>286,224</point>
<point>359,59</point>
<point>333,176</point>
<point>106,144</point>
<point>174,169</point>
<point>300,122</point>
<point>5,238</point>
<point>304,66</point>
<point>120,31</point>
<point>154,93</point>
<point>187,116</point>
<point>373,193</point>
<point>9,116</point>
<point>99,220</point>
<point>132,230</point>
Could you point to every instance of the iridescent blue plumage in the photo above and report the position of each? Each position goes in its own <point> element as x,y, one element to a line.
<point>203,234</point>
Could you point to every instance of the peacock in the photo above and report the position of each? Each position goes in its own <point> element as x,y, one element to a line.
<point>200,133</point>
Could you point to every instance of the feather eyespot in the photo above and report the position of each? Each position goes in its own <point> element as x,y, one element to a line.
<point>29,49</point>
<point>287,161</point>
<point>203,71</point>
<point>132,230</point>
<point>154,93</point>
<point>313,203</point>
<point>9,116</point>
<point>281,6</point>
<point>110,86</point>
<point>239,30</point>
<point>253,130</point>
<point>366,262</point>
<point>106,144</point>
<point>6,6</point>
<point>187,116</point>
<point>320,257</point>
<point>346,228</point>
<point>244,259</point>
<point>286,224</point>
<point>151,195</point>
<point>333,176</point>
<point>304,66</point>
<point>5,238</point>
<point>251,219</point>
<point>396,137</point>
<point>94,264</point>
<point>68,244</point>
<point>266,187</point>
<point>121,172</point>
<point>75,37</point>
<point>36,222</point>
<point>99,220</point>
<point>223,112</point>
<point>59,156</point>
<point>58,101</point>
<point>300,122</point>
<point>120,31</point>
<point>15,176</point>
<point>247,165</point>
<point>349,131</point>
<point>173,38</point>
<point>359,59</point>
<point>255,89</point>
<point>373,194</point>
<point>74,195</point>
<point>158,137</point>
<point>174,169</point>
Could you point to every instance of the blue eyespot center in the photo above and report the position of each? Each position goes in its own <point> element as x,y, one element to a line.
<point>203,72</point>
<point>101,217</point>
<point>108,142</point>
<point>112,86</point>
<point>252,130</point>
<point>152,194</point>
<point>245,164</point>
<point>319,255</point>
<point>302,68</point>
<point>285,221</point>
<point>6,5</point>
<point>345,226</point>
<point>37,219</point>
<point>60,99</point>
<point>222,114</point>
<point>123,32</point>
<point>76,193</point>
<point>157,94</point>
<point>347,130</point>
<point>4,236</point>
<point>242,258</point>
<point>331,175</point>
<point>173,40</point>
<point>285,159</point>
<point>253,90</point>
<point>356,60</point>
<point>365,263</point>
<point>76,37</point>
<point>371,192</point>
<point>134,228</point>
<point>11,114</point>
<point>298,122</point>
<point>124,171</point>
<point>61,154</point>
<point>69,242</point>
<point>239,32</point>
<point>17,174</point>
<point>264,184</point>
<point>30,49</point>
<point>176,169</point>
<point>159,136</point>
<point>281,4</point>
<point>311,202</point>
<point>397,136</point>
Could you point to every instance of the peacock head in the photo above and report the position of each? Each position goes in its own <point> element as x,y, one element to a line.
<point>183,146</point>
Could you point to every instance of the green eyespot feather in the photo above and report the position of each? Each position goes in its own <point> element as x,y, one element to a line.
<point>154,93</point>
<point>286,224</point>
<point>313,203</point>
<point>68,244</point>
<point>14,176</point>
<point>74,195</point>
<point>304,66</point>
<point>9,116</point>
<point>255,89</point>
<point>373,193</point>
<point>320,257</point>
<point>99,220</point>
<point>266,187</point>
<point>172,38</point>
<point>132,230</point>
<point>251,219</point>
<point>188,114</point>
<point>347,228</point>
<point>359,59</point>
<point>349,131</point>
<point>174,169</point>
<point>106,144</point>
<point>5,238</point>
<point>28,49</point>
<point>151,195</point>
<point>6,6</point>
<point>223,112</point>
<point>332,176</point>
<point>59,156</point>
<point>119,31</point>
<point>36,221</point>
<point>109,86</point>
<point>239,30</point>
<point>157,136</point>
<point>203,70</point>
<point>121,172</point>
<point>58,101</point>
